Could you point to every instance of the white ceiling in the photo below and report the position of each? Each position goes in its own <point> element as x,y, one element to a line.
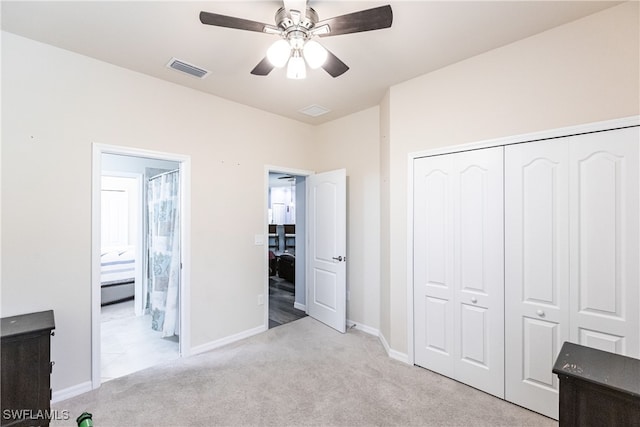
<point>426,35</point>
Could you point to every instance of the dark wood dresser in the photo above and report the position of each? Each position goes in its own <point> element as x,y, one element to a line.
<point>597,388</point>
<point>26,368</point>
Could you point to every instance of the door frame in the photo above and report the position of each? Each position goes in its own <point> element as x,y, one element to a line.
<point>510,140</point>
<point>268,169</point>
<point>185,245</point>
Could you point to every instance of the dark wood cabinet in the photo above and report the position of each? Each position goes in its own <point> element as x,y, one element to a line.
<point>26,369</point>
<point>597,388</point>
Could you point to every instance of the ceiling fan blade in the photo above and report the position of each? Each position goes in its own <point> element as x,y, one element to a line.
<point>334,66</point>
<point>231,22</point>
<point>263,68</point>
<point>357,22</point>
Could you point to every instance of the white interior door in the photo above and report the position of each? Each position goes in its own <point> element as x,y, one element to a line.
<point>604,199</point>
<point>479,269</point>
<point>458,267</point>
<point>326,248</point>
<point>536,271</point>
<point>433,263</point>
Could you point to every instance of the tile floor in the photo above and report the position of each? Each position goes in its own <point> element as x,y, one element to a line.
<point>129,344</point>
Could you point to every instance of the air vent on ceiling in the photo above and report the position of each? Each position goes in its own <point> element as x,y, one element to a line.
<point>314,110</point>
<point>185,67</point>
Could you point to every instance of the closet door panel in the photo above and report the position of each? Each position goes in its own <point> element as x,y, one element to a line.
<point>474,329</point>
<point>604,202</point>
<point>471,224</point>
<point>536,271</point>
<point>479,269</point>
<point>599,214</point>
<point>540,344</point>
<point>436,337</point>
<point>539,191</point>
<point>602,341</point>
<point>433,264</point>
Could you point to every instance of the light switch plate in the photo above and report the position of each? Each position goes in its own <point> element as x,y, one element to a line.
<point>258,240</point>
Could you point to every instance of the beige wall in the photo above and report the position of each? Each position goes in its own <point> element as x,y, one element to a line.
<point>581,72</point>
<point>55,105</point>
<point>385,226</point>
<point>353,143</point>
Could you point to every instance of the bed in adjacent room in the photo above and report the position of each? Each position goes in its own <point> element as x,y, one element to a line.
<point>117,274</point>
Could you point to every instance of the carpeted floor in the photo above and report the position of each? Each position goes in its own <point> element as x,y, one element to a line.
<point>301,373</point>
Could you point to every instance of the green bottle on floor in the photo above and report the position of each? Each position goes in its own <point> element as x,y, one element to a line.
<point>85,420</point>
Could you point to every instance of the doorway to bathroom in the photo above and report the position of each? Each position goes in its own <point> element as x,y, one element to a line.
<point>138,283</point>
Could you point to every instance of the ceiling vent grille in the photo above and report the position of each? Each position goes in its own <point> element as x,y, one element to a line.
<point>314,110</point>
<point>185,67</point>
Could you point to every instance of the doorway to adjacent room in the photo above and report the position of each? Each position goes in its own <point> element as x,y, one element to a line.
<point>320,250</point>
<point>286,228</point>
<point>138,275</point>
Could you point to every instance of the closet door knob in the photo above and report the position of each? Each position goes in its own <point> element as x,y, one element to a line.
<point>540,313</point>
<point>474,300</point>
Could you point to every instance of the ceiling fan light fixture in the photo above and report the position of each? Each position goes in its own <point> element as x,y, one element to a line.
<point>295,16</point>
<point>296,69</point>
<point>315,54</point>
<point>278,53</point>
<point>297,24</point>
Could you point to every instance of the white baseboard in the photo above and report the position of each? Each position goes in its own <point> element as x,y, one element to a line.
<point>394,354</point>
<point>300,306</point>
<point>364,328</point>
<point>69,392</point>
<point>400,357</point>
<point>385,344</point>
<point>226,340</point>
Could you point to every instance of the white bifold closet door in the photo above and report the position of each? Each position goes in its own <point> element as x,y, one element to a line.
<point>458,267</point>
<point>571,256</point>
<point>536,270</point>
<point>604,195</point>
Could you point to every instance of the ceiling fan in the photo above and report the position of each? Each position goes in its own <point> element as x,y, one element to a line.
<point>298,25</point>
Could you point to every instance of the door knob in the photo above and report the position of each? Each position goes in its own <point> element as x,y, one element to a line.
<point>338,258</point>
<point>474,300</point>
<point>540,313</point>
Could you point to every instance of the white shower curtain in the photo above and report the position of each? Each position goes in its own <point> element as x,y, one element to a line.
<point>163,199</point>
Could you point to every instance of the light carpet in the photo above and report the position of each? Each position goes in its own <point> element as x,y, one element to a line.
<point>302,373</point>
